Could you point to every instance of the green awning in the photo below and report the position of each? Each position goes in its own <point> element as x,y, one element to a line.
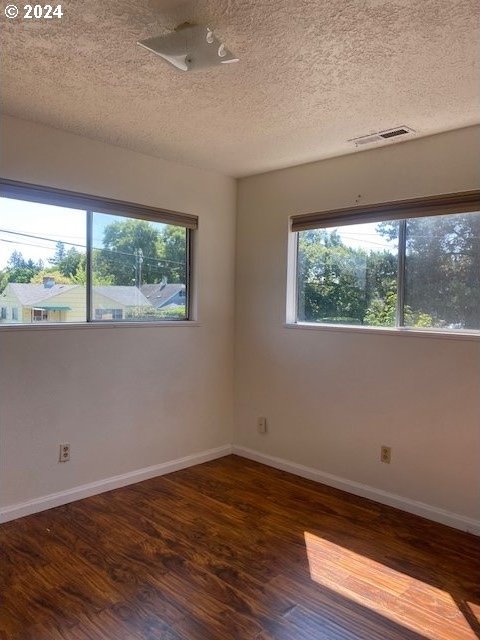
<point>53,307</point>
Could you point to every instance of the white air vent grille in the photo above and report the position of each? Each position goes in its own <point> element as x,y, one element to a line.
<point>380,136</point>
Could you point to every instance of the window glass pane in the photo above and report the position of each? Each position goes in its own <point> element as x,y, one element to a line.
<point>442,277</point>
<point>139,270</point>
<point>348,275</point>
<point>42,263</point>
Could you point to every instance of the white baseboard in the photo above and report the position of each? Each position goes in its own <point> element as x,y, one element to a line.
<point>378,495</point>
<point>436,514</point>
<point>14,511</point>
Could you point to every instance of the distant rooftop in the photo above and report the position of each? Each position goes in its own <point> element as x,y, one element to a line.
<point>30,294</point>
<point>128,296</point>
<point>159,294</point>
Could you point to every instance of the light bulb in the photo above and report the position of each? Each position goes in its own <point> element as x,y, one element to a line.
<point>222,51</point>
<point>209,37</point>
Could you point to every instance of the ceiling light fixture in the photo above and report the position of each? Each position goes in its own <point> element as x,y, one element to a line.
<point>189,48</point>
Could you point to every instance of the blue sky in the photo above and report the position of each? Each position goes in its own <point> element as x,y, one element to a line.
<point>46,221</point>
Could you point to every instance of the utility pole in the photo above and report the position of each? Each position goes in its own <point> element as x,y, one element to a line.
<point>138,267</point>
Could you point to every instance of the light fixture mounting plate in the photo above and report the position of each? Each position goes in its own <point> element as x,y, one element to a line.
<point>190,48</point>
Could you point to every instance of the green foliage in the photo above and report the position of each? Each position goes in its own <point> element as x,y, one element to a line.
<point>327,269</point>
<point>382,313</point>
<point>151,313</point>
<point>171,248</point>
<point>173,311</point>
<point>135,252</point>
<point>59,255</point>
<point>67,262</point>
<point>347,285</point>
<point>3,280</point>
<point>20,270</point>
<point>98,279</point>
<point>130,253</point>
<point>443,268</point>
<point>339,282</point>
<point>51,273</point>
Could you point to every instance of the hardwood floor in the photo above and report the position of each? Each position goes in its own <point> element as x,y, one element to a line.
<point>233,549</point>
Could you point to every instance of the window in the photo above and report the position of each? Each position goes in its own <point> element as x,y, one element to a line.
<point>133,259</point>
<point>40,315</point>
<point>108,314</point>
<point>70,258</point>
<point>421,271</point>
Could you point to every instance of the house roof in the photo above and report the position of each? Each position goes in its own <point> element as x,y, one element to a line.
<point>127,296</point>
<point>29,294</point>
<point>32,294</point>
<point>159,294</point>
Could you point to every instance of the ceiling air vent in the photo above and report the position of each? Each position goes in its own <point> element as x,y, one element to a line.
<point>394,133</point>
<point>382,135</point>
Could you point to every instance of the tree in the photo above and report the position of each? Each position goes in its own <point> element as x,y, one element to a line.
<point>171,248</point>
<point>333,276</point>
<point>21,270</point>
<point>382,313</point>
<point>58,276</point>
<point>98,279</point>
<point>443,268</point>
<point>67,262</point>
<point>130,253</point>
<point>59,254</point>
<point>3,280</point>
<point>343,284</point>
<point>381,275</point>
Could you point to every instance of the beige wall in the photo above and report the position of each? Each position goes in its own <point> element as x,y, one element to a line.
<point>333,398</point>
<point>124,398</point>
<point>128,398</point>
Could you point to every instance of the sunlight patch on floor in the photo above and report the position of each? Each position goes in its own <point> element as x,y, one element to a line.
<point>416,605</point>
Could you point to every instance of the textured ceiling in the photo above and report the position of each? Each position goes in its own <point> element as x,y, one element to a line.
<point>312,74</point>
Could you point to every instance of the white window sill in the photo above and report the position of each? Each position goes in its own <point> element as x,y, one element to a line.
<point>437,334</point>
<point>60,326</point>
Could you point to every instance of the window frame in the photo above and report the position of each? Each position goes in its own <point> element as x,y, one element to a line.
<point>97,204</point>
<point>430,206</point>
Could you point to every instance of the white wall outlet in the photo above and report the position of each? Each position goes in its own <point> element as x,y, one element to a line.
<point>262,425</point>
<point>64,454</point>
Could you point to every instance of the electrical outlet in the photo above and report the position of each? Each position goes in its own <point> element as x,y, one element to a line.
<point>262,425</point>
<point>386,454</point>
<point>64,454</point>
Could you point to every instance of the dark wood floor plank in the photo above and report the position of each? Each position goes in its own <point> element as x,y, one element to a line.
<point>233,549</point>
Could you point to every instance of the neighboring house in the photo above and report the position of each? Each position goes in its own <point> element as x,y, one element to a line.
<point>47,302</point>
<point>164,295</point>
<point>51,302</point>
<point>110,302</point>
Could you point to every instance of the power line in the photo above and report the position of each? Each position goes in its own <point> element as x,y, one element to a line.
<point>54,238</point>
<point>82,246</point>
<point>25,244</point>
<point>35,237</point>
